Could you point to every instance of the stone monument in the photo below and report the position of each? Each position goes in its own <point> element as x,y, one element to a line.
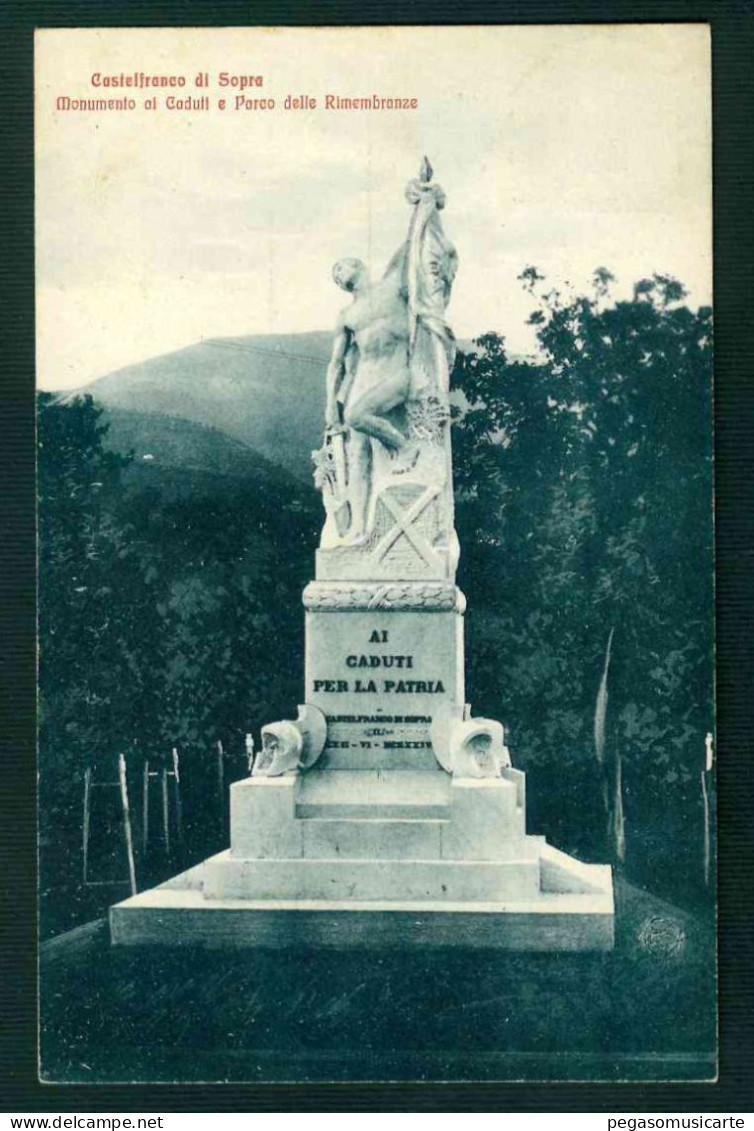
<point>384,813</point>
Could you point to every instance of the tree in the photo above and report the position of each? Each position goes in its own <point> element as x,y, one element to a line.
<point>83,553</point>
<point>584,513</point>
<point>170,608</point>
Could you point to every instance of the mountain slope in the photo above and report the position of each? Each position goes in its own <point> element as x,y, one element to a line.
<point>182,460</point>
<point>266,391</point>
<point>170,441</point>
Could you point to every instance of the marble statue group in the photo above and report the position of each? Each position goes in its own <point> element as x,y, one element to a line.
<point>389,371</point>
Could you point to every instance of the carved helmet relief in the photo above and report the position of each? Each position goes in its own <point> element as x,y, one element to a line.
<point>282,744</point>
<point>290,746</point>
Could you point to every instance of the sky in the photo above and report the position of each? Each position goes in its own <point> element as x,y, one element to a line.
<point>569,148</point>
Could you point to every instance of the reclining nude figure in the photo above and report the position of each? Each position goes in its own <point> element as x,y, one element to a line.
<point>378,339</point>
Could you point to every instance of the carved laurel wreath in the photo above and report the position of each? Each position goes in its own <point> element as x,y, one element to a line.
<point>430,596</point>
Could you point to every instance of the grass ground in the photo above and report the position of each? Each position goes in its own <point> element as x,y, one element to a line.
<point>646,1011</point>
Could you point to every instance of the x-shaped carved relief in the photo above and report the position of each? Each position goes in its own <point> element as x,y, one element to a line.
<point>404,520</point>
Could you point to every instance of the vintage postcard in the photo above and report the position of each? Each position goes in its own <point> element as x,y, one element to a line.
<point>375,554</point>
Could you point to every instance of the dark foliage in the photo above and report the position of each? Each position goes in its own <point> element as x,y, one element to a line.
<point>170,615</point>
<point>584,508</point>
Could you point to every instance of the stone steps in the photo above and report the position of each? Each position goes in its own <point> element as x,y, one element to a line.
<point>357,838</point>
<point>562,873</point>
<point>364,810</point>
<point>550,922</point>
<point>465,881</point>
<point>375,794</point>
<point>381,759</point>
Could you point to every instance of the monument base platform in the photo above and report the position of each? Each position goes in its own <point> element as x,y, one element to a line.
<point>378,859</point>
<point>178,914</point>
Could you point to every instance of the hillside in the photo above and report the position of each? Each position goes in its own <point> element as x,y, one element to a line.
<point>266,392</point>
<point>172,442</point>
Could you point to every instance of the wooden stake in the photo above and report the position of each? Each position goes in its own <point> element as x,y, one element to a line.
<point>87,817</point>
<point>220,775</point>
<point>708,764</point>
<point>127,822</point>
<point>145,808</point>
<point>178,806</point>
<point>618,819</point>
<point>165,813</point>
<point>707,853</point>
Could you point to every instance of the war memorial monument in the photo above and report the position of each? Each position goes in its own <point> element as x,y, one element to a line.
<point>385,814</point>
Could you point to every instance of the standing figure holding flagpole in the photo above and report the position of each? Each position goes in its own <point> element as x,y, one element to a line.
<point>388,377</point>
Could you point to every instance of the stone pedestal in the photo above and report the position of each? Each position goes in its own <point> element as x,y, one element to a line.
<point>380,659</point>
<point>373,856</point>
<point>341,858</point>
<point>386,814</point>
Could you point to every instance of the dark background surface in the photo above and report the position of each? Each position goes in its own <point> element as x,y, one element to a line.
<point>644,1011</point>
<point>733,40</point>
